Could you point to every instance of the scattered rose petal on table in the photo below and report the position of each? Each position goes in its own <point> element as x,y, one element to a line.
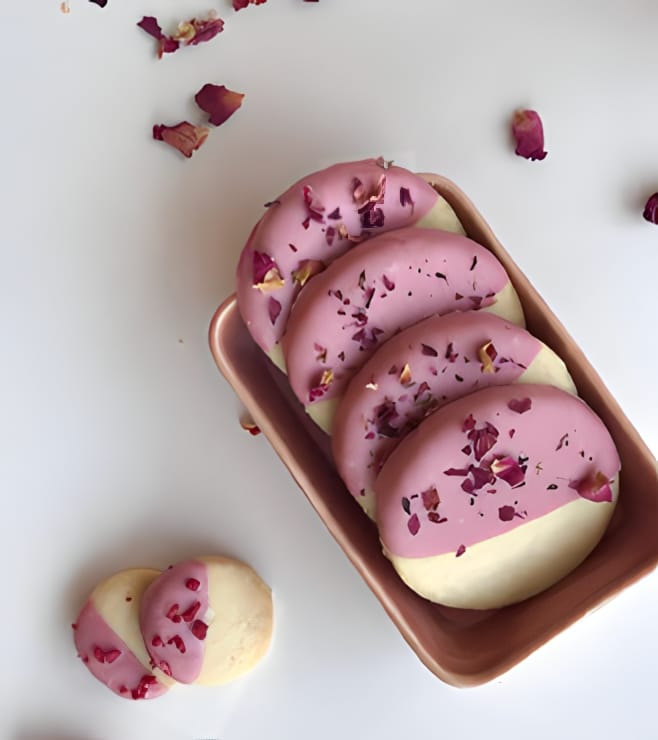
<point>185,137</point>
<point>100,3</point>
<point>528,133</point>
<point>651,209</point>
<point>241,4</point>
<point>64,7</point>
<point>189,33</point>
<point>248,424</point>
<point>218,102</point>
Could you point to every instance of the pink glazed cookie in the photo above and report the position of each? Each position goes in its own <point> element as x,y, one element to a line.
<point>207,620</point>
<point>108,640</point>
<point>421,369</point>
<point>497,496</point>
<point>371,293</point>
<point>316,220</point>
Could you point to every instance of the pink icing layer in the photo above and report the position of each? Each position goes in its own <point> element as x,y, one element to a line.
<point>97,646</point>
<point>371,293</point>
<point>290,233</point>
<point>380,407</point>
<point>170,612</point>
<point>557,441</point>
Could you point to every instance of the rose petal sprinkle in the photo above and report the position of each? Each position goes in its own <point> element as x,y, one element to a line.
<point>306,270</point>
<point>184,136</point>
<point>508,469</point>
<point>241,4</point>
<point>520,405</point>
<point>218,102</point>
<point>100,3</point>
<point>528,133</point>
<point>593,487</point>
<point>651,209</point>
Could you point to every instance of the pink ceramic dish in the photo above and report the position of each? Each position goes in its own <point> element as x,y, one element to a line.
<point>463,648</point>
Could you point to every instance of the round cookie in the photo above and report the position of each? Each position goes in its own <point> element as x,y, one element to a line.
<point>207,620</point>
<point>371,293</point>
<point>108,639</point>
<point>497,495</point>
<point>422,368</point>
<point>316,220</point>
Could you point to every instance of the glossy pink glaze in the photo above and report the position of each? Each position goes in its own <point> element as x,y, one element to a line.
<point>371,293</point>
<point>124,674</point>
<point>378,410</point>
<point>419,463</point>
<point>167,616</point>
<point>284,224</point>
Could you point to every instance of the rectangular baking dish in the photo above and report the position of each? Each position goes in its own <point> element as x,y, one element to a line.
<point>463,648</point>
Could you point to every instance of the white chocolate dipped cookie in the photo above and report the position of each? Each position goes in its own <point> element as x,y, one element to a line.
<point>497,496</point>
<point>109,641</point>
<point>422,368</point>
<point>369,294</point>
<point>316,220</point>
<point>207,620</point>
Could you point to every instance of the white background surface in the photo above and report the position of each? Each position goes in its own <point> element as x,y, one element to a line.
<point>120,442</point>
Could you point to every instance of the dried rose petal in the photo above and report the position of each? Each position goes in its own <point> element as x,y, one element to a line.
<point>313,204</point>
<point>405,375</point>
<point>248,424</point>
<point>428,351</point>
<point>100,3</point>
<point>274,309</point>
<point>508,469</point>
<point>405,198</point>
<point>218,102</point>
<point>483,440</point>
<point>306,270</point>
<point>65,8</point>
<point>593,487</point>
<point>469,423</point>
<point>487,354</point>
<point>460,551</point>
<point>529,134</point>
<point>506,513</point>
<point>413,524</point>
<point>481,477</point>
<point>651,209</point>
<point>199,30</point>
<point>520,405</point>
<point>184,136</point>
<point>430,498</point>
<point>267,276</point>
<point>241,4</point>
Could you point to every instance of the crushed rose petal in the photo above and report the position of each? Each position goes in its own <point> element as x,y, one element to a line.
<point>483,440</point>
<point>593,487</point>
<point>506,513</point>
<point>405,375</point>
<point>460,551</point>
<point>248,424</point>
<point>413,524</point>
<point>274,309</point>
<point>528,133</point>
<point>267,276</point>
<point>306,270</point>
<point>508,469</point>
<point>218,102</point>
<point>100,3</point>
<point>241,4</point>
<point>430,499</point>
<point>487,354</point>
<point>651,209</point>
<point>184,136</point>
<point>405,198</point>
<point>520,405</point>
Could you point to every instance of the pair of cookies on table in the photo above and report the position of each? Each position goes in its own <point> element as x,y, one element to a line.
<point>453,427</point>
<point>203,621</point>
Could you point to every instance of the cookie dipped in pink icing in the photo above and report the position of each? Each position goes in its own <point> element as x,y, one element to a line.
<point>316,220</point>
<point>497,496</point>
<point>422,368</point>
<point>108,640</point>
<point>369,294</point>
<point>207,620</point>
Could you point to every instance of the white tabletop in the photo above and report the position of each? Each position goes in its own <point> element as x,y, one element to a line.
<point>120,441</point>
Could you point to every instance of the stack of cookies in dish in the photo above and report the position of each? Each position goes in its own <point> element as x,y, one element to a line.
<point>456,430</point>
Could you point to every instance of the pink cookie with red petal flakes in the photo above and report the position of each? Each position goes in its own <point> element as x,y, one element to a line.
<point>497,496</point>
<point>316,220</point>
<point>207,620</point>
<point>108,639</point>
<point>421,369</point>
<point>369,294</point>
